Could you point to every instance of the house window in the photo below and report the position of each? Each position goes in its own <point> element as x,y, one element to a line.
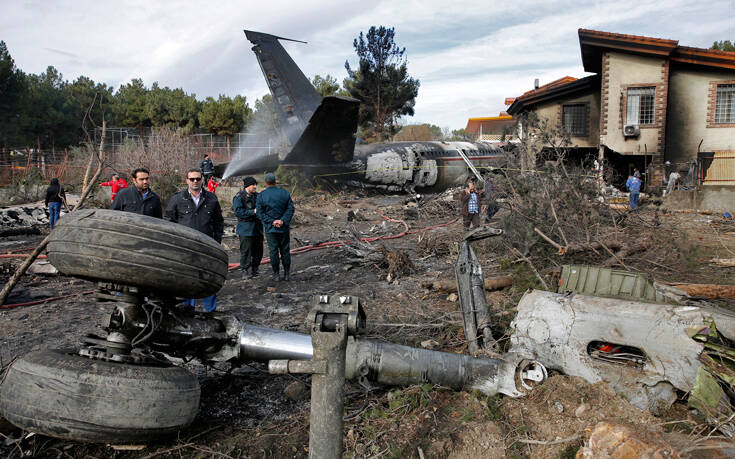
<point>725,105</point>
<point>641,103</point>
<point>574,119</point>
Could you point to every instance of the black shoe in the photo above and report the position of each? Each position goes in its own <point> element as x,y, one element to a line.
<point>254,274</point>
<point>286,276</point>
<point>246,273</point>
<point>275,277</point>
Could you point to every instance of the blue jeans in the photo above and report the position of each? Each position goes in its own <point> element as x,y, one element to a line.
<point>209,303</point>
<point>54,210</point>
<point>634,195</point>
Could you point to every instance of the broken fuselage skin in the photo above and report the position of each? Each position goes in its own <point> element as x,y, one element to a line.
<point>396,166</point>
<point>422,165</point>
<point>560,330</point>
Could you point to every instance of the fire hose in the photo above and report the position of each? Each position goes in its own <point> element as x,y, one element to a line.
<point>231,266</point>
<point>337,243</point>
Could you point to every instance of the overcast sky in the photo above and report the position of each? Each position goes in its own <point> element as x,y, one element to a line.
<point>468,55</point>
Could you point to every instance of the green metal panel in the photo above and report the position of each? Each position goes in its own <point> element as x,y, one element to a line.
<point>608,282</point>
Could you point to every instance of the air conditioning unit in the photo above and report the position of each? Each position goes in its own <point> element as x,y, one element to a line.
<point>631,130</point>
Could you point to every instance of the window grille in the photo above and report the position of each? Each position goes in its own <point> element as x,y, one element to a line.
<point>641,104</point>
<point>574,119</point>
<point>725,106</point>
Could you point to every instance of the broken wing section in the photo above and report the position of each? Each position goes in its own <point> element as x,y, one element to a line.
<point>330,135</point>
<point>293,95</point>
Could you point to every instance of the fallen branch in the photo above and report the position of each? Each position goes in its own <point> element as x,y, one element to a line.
<point>625,252</point>
<point>538,276</point>
<point>574,437</point>
<point>21,270</point>
<point>726,262</point>
<point>32,257</point>
<point>592,246</point>
<point>576,248</point>
<point>693,211</point>
<point>707,290</point>
<point>546,238</point>
<point>615,256</point>
<point>448,286</point>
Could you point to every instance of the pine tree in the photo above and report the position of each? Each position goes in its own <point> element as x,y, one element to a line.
<point>381,81</point>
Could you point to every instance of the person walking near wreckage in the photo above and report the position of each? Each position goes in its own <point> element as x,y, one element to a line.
<point>470,206</point>
<point>634,188</point>
<point>200,210</point>
<point>116,184</point>
<point>275,209</point>
<point>55,195</point>
<point>249,227</point>
<point>139,198</point>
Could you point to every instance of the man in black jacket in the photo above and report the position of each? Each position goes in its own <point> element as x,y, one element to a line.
<point>139,199</point>
<point>198,209</point>
<point>207,169</point>
<point>249,227</point>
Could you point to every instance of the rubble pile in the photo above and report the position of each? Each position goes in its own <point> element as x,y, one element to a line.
<point>28,215</point>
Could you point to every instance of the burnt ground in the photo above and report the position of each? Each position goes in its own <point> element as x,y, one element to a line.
<point>245,412</point>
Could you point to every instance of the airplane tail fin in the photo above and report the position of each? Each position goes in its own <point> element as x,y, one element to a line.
<point>321,131</point>
<point>330,134</point>
<point>295,98</point>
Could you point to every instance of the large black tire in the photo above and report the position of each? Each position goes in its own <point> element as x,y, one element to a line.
<point>64,395</point>
<point>137,250</point>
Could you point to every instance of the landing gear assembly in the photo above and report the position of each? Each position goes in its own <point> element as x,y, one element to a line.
<point>123,387</point>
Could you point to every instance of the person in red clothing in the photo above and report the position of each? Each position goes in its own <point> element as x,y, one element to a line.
<point>213,184</point>
<point>116,183</point>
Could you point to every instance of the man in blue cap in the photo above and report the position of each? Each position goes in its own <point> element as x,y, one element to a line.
<point>249,227</point>
<point>275,208</point>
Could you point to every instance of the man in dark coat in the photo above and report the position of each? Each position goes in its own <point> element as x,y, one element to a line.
<point>139,198</point>
<point>249,227</point>
<point>275,209</point>
<point>206,167</point>
<point>198,209</point>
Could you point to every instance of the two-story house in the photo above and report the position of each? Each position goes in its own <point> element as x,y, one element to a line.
<point>650,104</point>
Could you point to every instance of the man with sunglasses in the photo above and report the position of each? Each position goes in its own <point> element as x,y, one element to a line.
<point>198,209</point>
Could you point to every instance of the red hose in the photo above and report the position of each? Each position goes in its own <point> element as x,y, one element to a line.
<point>328,244</point>
<point>231,266</point>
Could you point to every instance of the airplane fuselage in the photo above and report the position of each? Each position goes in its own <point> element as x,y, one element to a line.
<point>321,132</point>
<point>423,165</point>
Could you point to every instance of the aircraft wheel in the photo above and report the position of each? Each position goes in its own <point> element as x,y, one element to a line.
<point>132,249</point>
<point>62,394</point>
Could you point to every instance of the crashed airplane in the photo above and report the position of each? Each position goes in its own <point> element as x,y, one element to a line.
<point>322,134</point>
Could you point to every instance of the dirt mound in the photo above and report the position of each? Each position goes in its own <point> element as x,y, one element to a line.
<point>482,439</point>
<point>563,407</point>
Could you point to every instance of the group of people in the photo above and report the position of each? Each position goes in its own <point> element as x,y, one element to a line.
<point>267,213</point>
